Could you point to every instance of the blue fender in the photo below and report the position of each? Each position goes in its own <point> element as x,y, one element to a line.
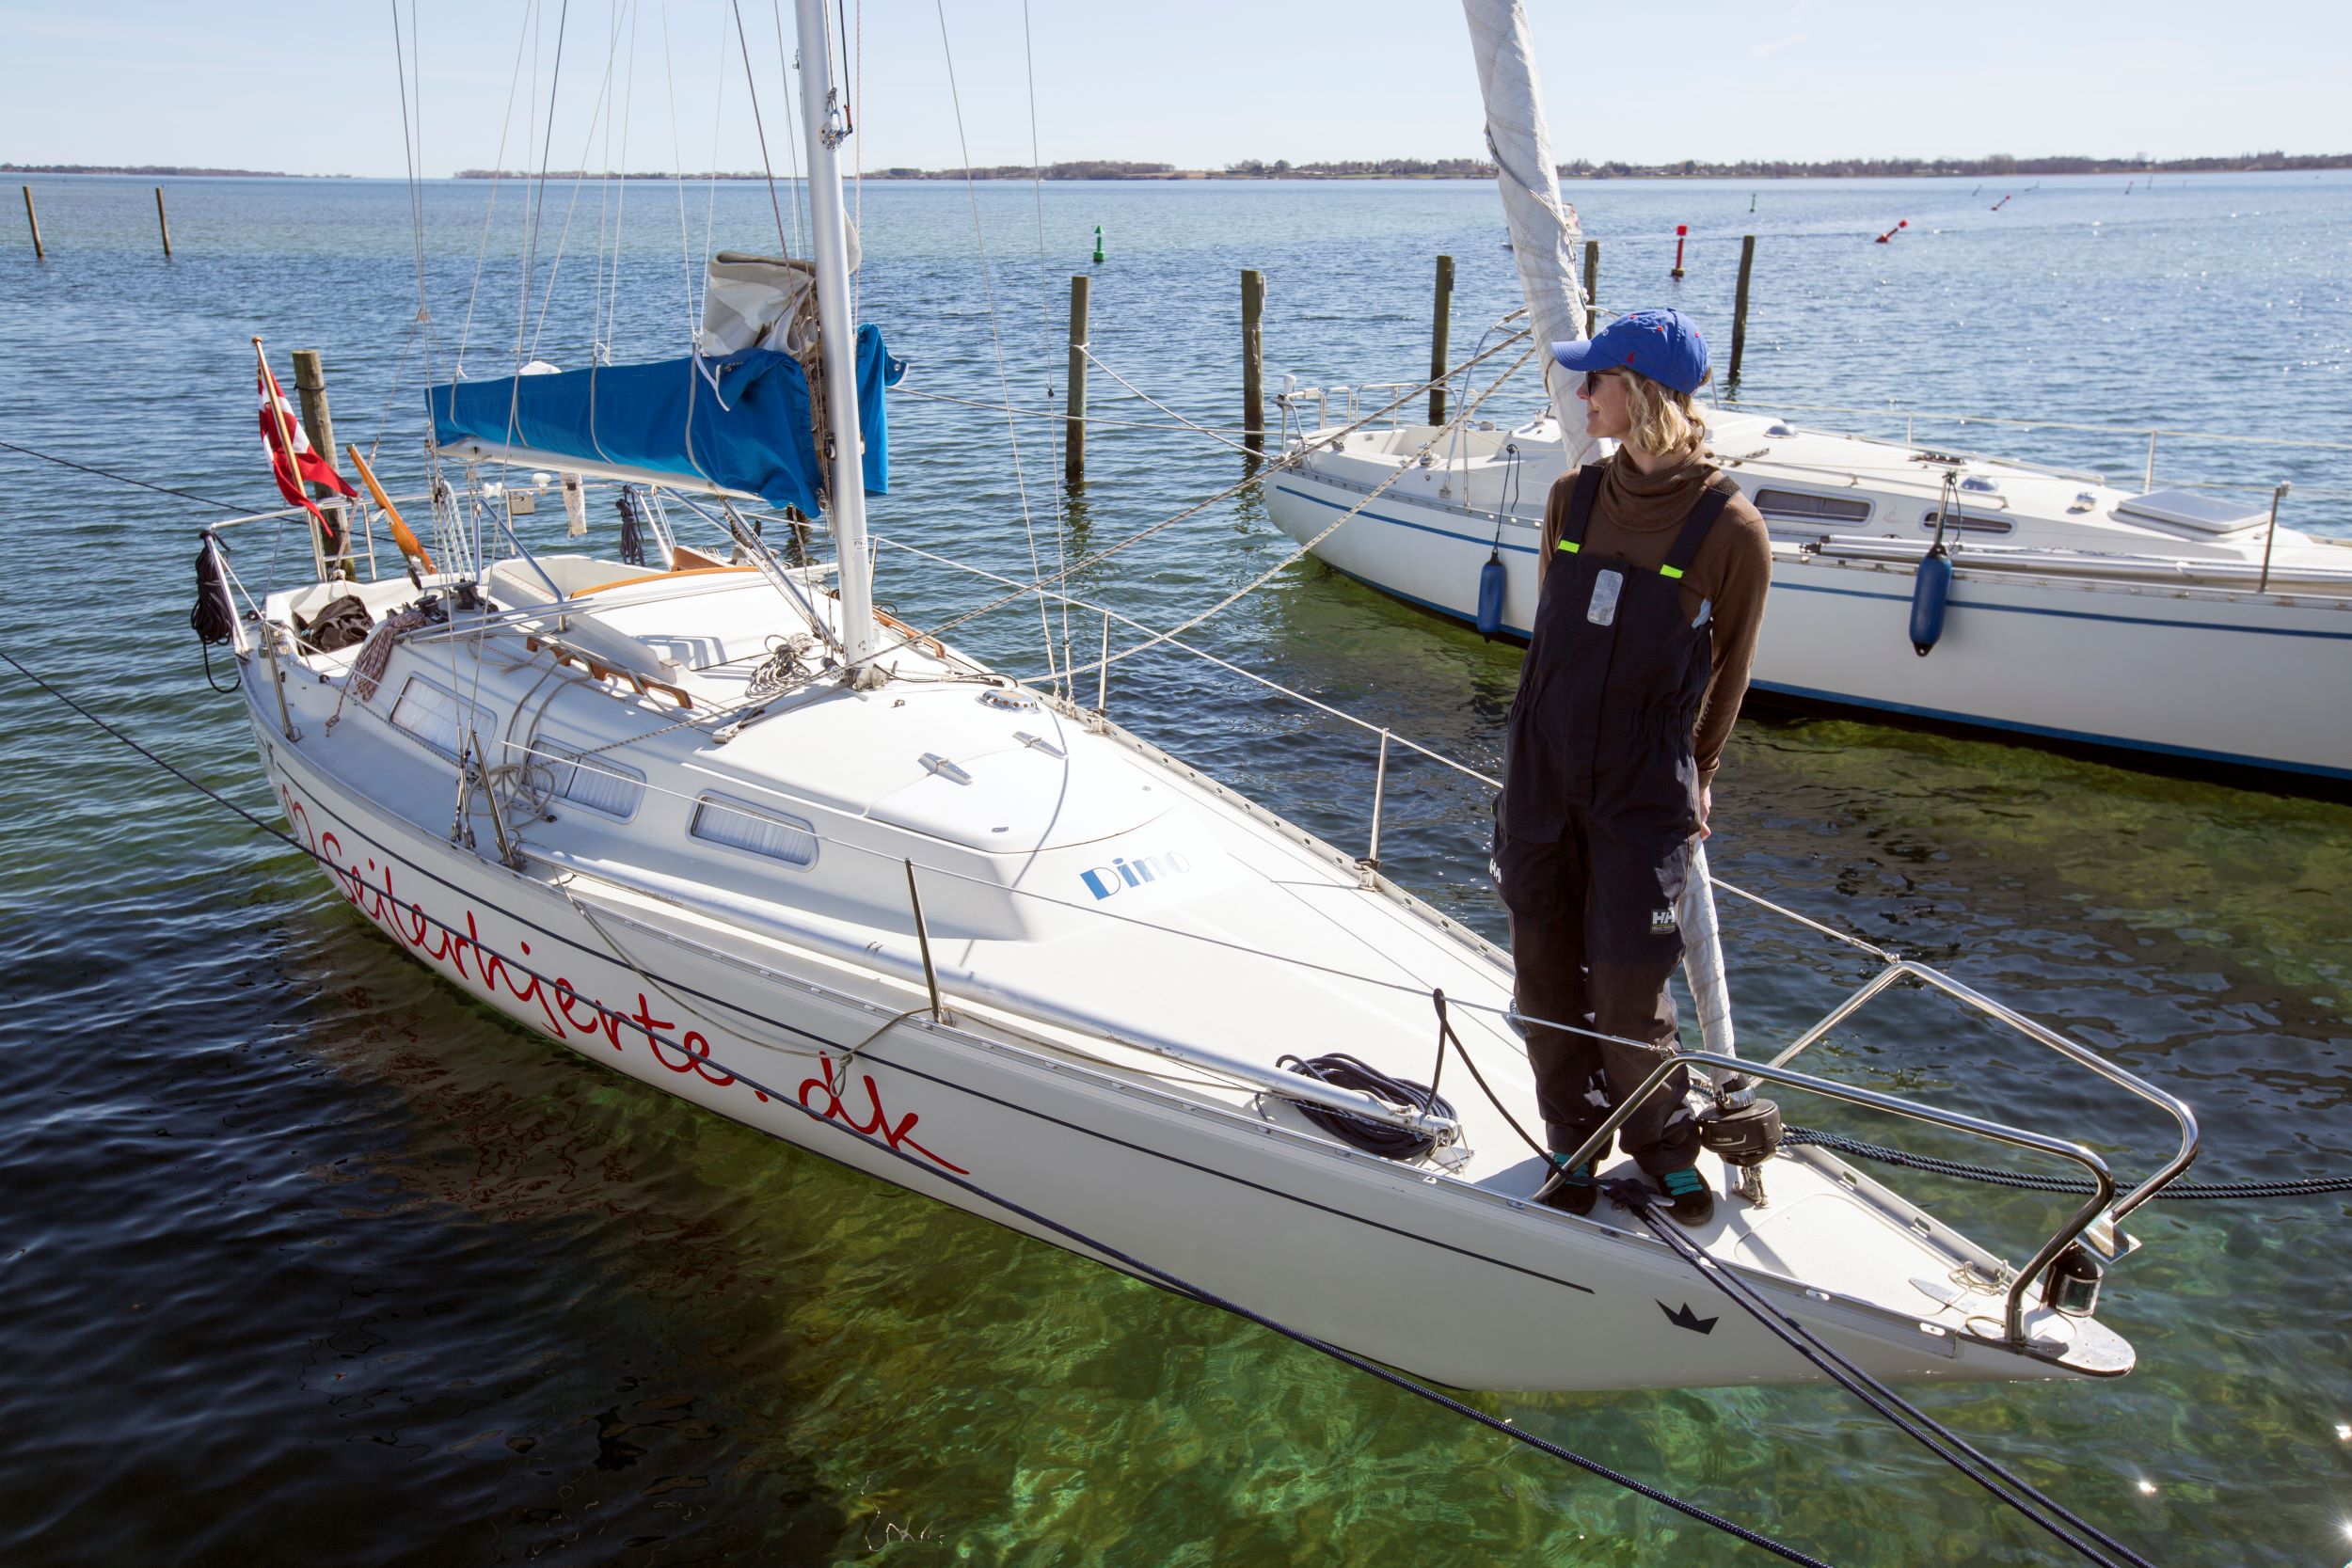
<point>1931,591</point>
<point>1492,579</point>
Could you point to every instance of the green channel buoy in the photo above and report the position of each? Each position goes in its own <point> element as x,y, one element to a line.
<point>1098,241</point>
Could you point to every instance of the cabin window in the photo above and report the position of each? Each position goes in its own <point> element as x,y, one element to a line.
<point>1965,523</point>
<point>762,833</point>
<point>597,783</point>
<point>1804,506</point>
<point>440,718</point>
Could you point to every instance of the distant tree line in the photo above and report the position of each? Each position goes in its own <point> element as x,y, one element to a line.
<point>160,169</point>
<point>1997,165</point>
<point>1994,167</point>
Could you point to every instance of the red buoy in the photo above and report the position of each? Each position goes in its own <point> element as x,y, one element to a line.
<point>1681,229</point>
<point>2003,202</point>
<point>1892,232</point>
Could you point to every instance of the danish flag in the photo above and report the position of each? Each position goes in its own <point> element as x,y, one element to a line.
<point>280,426</point>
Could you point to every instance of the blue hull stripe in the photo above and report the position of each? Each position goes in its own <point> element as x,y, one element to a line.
<point>1944,716</point>
<point>1957,603</point>
<point>1834,699</point>
<point>1418,527</point>
<point>2070,614</point>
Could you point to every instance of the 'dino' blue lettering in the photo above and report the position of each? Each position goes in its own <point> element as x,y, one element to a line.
<point>1104,880</point>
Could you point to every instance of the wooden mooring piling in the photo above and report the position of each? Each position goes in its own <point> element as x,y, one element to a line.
<point>1441,319</point>
<point>1740,309</point>
<point>1592,280</point>
<point>1073,453</point>
<point>163,224</point>
<point>1252,359</point>
<point>33,219</point>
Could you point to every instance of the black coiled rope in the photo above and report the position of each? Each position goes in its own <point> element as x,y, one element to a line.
<point>1342,1072</point>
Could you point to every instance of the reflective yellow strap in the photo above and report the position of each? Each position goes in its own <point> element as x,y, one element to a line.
<point>1569,547</point>
<point>1669,571</point>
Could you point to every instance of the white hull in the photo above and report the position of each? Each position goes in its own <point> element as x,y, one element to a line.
<point>2098,650</point>
<point>1452,1274</point>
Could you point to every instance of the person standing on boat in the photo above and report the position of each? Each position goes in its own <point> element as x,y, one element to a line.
<point>1651,591</point>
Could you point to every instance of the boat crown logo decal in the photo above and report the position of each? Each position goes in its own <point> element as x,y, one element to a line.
<point>1105,882</point>
<point>1683,1317</point>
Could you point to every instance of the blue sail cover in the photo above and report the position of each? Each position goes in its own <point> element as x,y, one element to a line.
<point>749,432</point>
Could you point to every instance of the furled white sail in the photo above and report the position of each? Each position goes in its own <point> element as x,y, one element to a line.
<point>1544,234</point>
<point>1546,241</point>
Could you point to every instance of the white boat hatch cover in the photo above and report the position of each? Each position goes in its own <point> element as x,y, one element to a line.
<point>1021,800</point>
<point>2187,509</point>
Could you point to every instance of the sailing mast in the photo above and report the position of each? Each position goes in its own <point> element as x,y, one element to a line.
<point>826,128</point>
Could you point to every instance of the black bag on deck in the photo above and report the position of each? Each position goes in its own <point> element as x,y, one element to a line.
<point>344,622</point>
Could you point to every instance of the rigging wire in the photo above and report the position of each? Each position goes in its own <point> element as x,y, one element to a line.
<point>751,85</point>
<point>710,204</point>
<point>126,479</point>
<point>1304,550</point>
<point>677,161</point>
<point>792,141</point>
<point>1173,1282</point>
<point>1183,423</point>
<point>1186,428</point>
<point>506,126</point>
<point>599,113</point>
<point>1045,297</point>
<point>1004,380</point>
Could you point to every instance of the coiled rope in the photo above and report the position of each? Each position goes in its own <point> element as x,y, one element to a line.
<point>1343,1071</point>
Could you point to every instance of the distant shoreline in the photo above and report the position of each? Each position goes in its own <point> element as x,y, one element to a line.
<point>1996,167</point>
<point>163,171</point>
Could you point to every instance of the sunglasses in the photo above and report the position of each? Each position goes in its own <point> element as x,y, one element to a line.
<point>1593,376</point>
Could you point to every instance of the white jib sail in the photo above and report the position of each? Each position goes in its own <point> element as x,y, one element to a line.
<point>1545,239</point>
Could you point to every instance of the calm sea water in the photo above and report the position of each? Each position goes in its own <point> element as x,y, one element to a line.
<point>305,1260</point>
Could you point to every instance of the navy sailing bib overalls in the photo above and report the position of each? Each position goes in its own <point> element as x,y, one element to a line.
<point>1593,834</point>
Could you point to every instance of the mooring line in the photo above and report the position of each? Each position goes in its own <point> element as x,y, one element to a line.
<point>2002,1483</point>
<point>124,479</point>
<point>1167,1281</point>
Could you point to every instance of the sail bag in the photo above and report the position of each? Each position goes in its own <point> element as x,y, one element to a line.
<point>737,421</point>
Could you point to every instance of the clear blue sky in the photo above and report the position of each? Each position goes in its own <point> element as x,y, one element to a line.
<point>1195,83</point>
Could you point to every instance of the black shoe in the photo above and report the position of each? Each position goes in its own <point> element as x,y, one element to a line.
<point>1574,1193</point>
<point>1694,1200</point>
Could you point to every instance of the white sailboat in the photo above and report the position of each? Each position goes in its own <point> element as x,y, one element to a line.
<point>723,827</point>
<point>2163,622</point>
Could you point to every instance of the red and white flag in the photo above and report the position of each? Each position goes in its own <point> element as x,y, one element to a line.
<point>280,425</point>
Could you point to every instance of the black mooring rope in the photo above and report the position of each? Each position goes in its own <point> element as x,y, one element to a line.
<point>2178,1191</point>
<point>1175,1283</point>
<point>1946,1444</point>
<point>126,479</point>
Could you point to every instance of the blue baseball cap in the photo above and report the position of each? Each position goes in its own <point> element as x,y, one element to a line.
<point>1664,345</point>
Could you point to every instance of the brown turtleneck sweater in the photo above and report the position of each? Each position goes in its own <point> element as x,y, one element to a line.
<point>1636,516</point>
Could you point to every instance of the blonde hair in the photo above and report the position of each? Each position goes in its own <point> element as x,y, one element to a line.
<point>1665,420</point>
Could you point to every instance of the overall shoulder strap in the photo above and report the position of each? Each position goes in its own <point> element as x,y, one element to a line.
<point>1695,527</point>
<point>1581,498</point>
